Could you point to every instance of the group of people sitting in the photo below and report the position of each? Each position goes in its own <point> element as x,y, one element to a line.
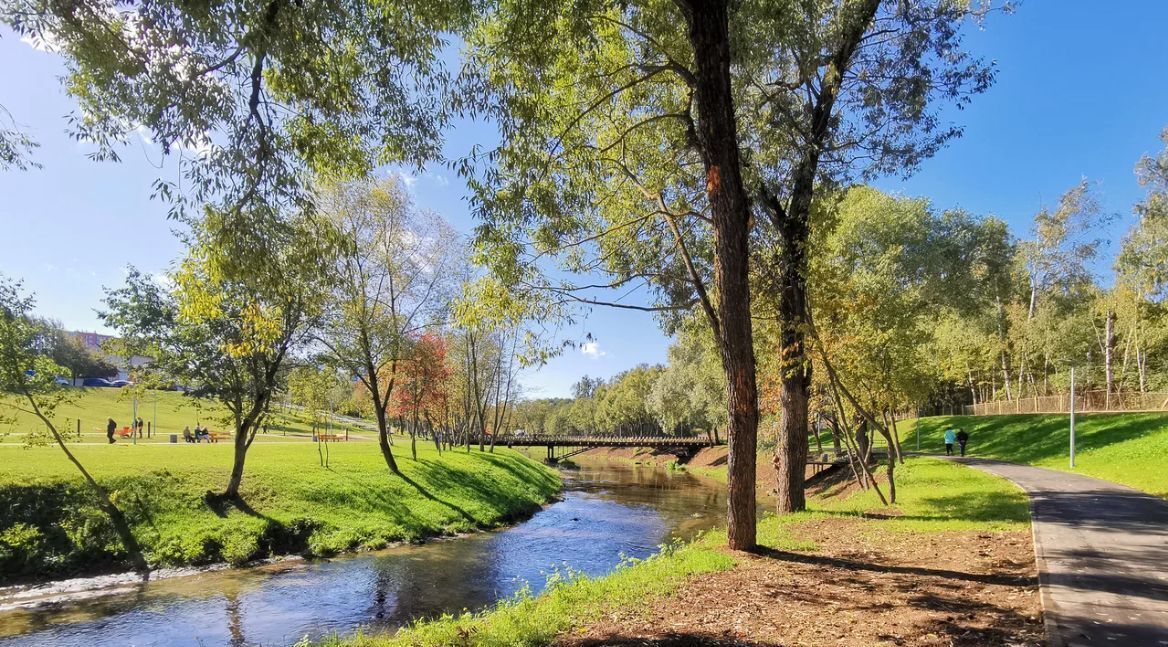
<point>200,434</point>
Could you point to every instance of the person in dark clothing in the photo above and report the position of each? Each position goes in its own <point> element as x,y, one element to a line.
<point>140,425</point>
<point>962,438</point>
<point>110,428</point>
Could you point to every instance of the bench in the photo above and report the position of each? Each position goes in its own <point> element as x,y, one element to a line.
<point>329,438</point>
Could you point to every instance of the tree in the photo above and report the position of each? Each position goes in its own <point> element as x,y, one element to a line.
<point>313,388</point>
<point>890,270</point>
<point>27,384</point>
<point>252,94</point>
<point>851,93</point>
<point>624,407</point>
<point>421,392</point>
<point>68,351</point>
<point>690,392</point>
<point>228,335</point>
<point>642,150</point>
<point>396,271</point>
<point>619,141</point>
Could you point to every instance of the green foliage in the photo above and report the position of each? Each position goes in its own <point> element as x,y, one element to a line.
<point>891,270</point>
<point>50,527</point>
<point>1143,259</point>
<point>252,94</point>
<point>27,369</point>
<point>691,392</point>
<point>1126,448</point>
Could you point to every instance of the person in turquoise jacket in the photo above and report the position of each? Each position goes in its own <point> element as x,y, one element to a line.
<point>950,438</point>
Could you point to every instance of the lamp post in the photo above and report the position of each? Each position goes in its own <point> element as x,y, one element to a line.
<point>1072,417</point>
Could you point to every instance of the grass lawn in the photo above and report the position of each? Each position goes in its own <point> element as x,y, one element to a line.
<point>1128,448</point>
<point>166,411</point>
<point>49,525</point>
<point>936,497</point>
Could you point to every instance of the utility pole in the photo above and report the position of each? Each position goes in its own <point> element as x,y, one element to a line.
<point>1072,417</point>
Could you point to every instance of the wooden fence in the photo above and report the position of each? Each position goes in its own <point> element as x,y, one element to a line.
<point>1085,402</point>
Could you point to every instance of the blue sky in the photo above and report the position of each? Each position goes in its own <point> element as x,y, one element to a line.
<point>1082,91</point>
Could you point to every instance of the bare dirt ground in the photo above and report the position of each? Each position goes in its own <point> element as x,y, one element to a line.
<point>957,588</point>
<point>863,586</point>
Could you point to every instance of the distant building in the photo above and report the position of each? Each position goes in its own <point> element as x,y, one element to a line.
<point>96,344</point>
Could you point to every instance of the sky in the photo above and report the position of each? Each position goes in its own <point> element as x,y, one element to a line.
<point>1081,91</point>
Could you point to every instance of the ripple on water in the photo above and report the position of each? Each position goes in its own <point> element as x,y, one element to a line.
<point>606,513</point>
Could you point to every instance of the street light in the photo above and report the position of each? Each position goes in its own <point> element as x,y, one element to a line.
<point>1072,417</point>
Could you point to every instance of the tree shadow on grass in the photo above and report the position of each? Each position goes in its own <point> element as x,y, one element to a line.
<point>524,470</point>
<point>507,503</point>
<point>426,493</point>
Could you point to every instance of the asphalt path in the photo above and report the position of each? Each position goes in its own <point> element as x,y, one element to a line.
<point>1102,554</point>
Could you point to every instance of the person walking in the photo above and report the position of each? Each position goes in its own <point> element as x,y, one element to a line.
<point>110,428</point>
<point>962,438</point>
<point>140,425</point>
<point>950,438</point>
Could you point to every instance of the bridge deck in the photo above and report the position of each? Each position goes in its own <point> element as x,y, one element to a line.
<point>610,441</point>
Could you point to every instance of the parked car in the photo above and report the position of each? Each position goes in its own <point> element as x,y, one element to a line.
<point>62,381</point>
<point>120,383</point>
<point>95,381</point>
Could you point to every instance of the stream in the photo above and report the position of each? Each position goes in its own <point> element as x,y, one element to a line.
<point>607,511</point>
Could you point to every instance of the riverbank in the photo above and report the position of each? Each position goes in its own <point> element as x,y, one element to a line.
<point>708,462</point>
<point>951,564</point>
<point>51,528</point>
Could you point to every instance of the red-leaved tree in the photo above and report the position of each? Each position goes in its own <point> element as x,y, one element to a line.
<point>422,391</point>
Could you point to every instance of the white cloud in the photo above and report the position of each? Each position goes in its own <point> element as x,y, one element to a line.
<point>407,179</point>
<point>592,349</point>
<point>438,178</point>
<point>163,281</point>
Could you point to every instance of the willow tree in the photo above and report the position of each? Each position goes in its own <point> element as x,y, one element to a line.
<point>395,270</point>
<point>840,90</point>
<point>890,271</point>
<point>619,156</point>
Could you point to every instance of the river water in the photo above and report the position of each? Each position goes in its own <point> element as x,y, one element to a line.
<point>607,511</point>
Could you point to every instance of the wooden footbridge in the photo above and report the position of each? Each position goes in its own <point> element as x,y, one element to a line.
<point>572,445</point>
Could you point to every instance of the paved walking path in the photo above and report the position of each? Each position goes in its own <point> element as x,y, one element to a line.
<point>1102,552</point>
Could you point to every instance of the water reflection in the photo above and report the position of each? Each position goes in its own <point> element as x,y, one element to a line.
<point>607,512</point>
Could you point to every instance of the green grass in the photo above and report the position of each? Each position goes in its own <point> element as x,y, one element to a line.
<point>937,497</point>
<point>1127,448</point>
<point>49,525</point>
<point>171,410</point>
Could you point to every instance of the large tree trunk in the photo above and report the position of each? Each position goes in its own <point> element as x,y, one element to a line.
<point>240,456</point>
<point>790,458</point>
<point>383,439</point>
<point>716,130</point>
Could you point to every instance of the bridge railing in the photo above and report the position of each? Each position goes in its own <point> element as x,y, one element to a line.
<point>543,439</point>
